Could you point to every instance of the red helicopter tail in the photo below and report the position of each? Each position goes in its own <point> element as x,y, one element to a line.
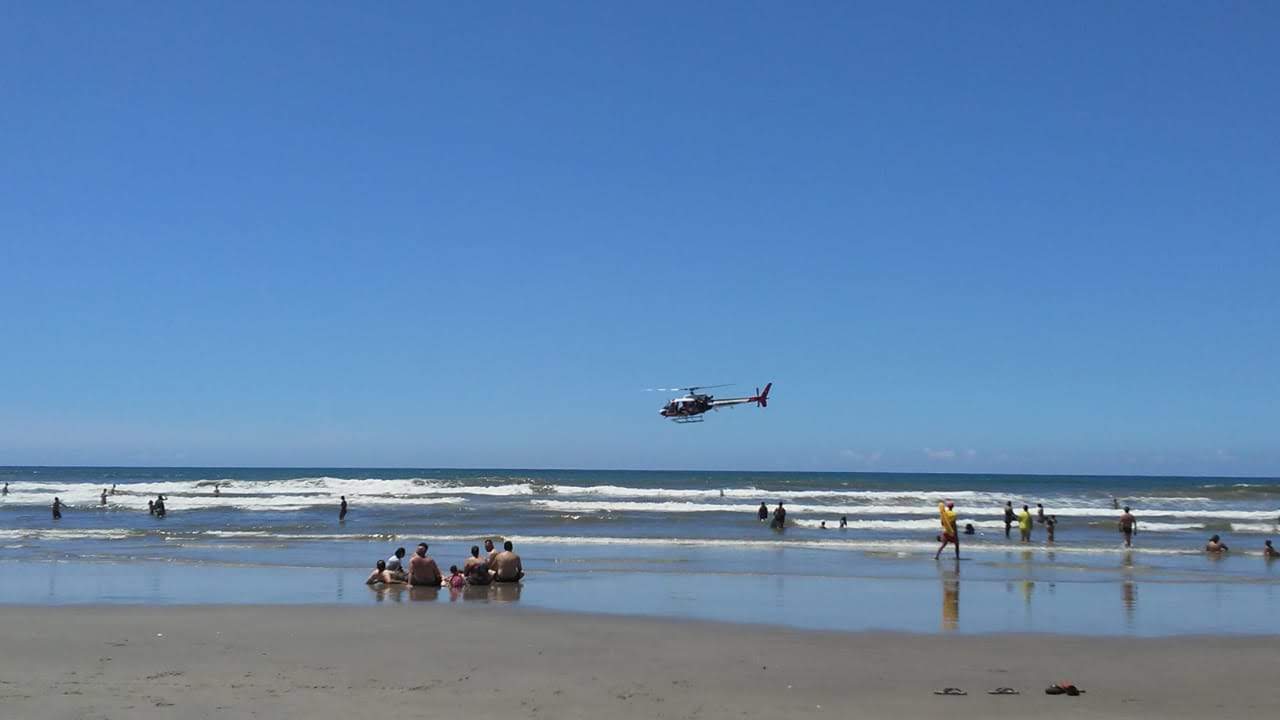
<point>762,398</point>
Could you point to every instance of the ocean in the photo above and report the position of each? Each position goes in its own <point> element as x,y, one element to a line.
<point>666,543</point>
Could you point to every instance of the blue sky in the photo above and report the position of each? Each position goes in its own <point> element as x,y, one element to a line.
<point>1006,238</point>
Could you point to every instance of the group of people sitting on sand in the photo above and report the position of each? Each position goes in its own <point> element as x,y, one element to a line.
<point>496,566</point>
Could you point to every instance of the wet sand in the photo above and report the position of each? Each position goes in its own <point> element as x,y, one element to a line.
<point>488,662</point>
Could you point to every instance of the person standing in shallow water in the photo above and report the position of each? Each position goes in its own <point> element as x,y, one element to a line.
<point>779,518</point>
<point>1009,517</point>
<point>1024,524</point>
<point>342,509</point>
<point>947,511</point>
<point>762,514</point>
<point>104,496</point>
<point>57,508</point>
<point>1128,526</point>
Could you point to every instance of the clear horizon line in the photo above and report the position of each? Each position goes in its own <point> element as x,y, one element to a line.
<point>638,470</point>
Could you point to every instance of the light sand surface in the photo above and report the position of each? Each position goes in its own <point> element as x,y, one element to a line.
<point>500,662</point>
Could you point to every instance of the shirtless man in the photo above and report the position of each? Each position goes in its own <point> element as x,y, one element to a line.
<point>422,569</point>
<point>1216,545</point>
<point>489,552</point>
<point>382,575</point>
<point>57,509</point>
<point>779,518</point>
<point>342,509</point>
<point>1128,526</point>
<point>763,513</point>
<point>476,568</point>
<point>1009,517</point>
<point>506,565</point>
<point>104,496</point>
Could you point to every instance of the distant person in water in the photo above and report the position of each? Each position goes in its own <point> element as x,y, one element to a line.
<point>423,570</point>
<point>1115,503</point>
<point>1128,526</point>
<point>947,513</point>
<point>342,509</point>
<point>159,506</point>
<point>779,518</point>
<point>113,488</point>
<point>489,552</point>
<point>762,514</point>
<point>844,522</point>
<point>1040,513</point>
<point>151,507</point>
<point>104,496</point>
<point>1269,552</point>
<point>57,509</point>
<point>1024,524</point>
<point>216,491</point>
<point>823,526</point>
<point>1216,545</point>
<point>6,489</point>
<point>1050,524</point>
<point>1009,517</point>
<point>381,575</point>
<point>968,529</point>
<point>507,567</point>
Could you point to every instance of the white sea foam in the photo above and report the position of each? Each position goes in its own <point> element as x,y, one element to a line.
<point>594,506</point>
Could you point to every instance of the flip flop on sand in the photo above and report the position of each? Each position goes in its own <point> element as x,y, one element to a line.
<point>1063,689</point>
<point>950,691</point>
<point>1004,691</point>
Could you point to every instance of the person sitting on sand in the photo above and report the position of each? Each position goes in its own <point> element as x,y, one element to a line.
<point>947,512</point>
<point>1269,552</point>
<point>456,580</point>
<point>1024,524</point>
<point>381,575</point>
<point>476,569</point>
<point>1216,545</point>
<point>506,565</point>
<point>489,552</point>
<point>422,569</point>
<point>779,518</point>
<point>1128,526</point>
<point>395,563</point>
<point>763,513</point>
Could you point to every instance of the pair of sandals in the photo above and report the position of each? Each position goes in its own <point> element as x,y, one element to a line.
<point>958,691</point>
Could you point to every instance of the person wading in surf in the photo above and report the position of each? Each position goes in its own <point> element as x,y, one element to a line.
<point>947,512</point>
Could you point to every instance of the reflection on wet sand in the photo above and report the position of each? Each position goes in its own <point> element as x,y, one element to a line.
<point>951,598</point>
<point>497,592</point>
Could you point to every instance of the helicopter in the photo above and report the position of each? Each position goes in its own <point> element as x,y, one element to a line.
<point>690,407</point>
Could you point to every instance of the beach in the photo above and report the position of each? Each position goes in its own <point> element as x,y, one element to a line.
<point>490,661</point>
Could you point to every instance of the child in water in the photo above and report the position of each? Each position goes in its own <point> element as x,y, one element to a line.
<point>456,579</point>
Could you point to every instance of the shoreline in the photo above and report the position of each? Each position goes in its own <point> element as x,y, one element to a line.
<point>329,662</point>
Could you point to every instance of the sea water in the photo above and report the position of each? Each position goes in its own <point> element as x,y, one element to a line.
<point>683,544</point>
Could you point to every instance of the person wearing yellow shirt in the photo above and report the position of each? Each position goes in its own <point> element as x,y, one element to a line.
<point>947,512</point>
<point>1024,524</point>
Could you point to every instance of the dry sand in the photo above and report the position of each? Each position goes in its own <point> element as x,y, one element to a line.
<point>489,662</point>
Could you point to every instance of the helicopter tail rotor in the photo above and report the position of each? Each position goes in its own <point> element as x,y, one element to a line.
<point>762,398</point>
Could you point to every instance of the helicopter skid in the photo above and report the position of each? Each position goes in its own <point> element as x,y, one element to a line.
<point>690,419</point>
